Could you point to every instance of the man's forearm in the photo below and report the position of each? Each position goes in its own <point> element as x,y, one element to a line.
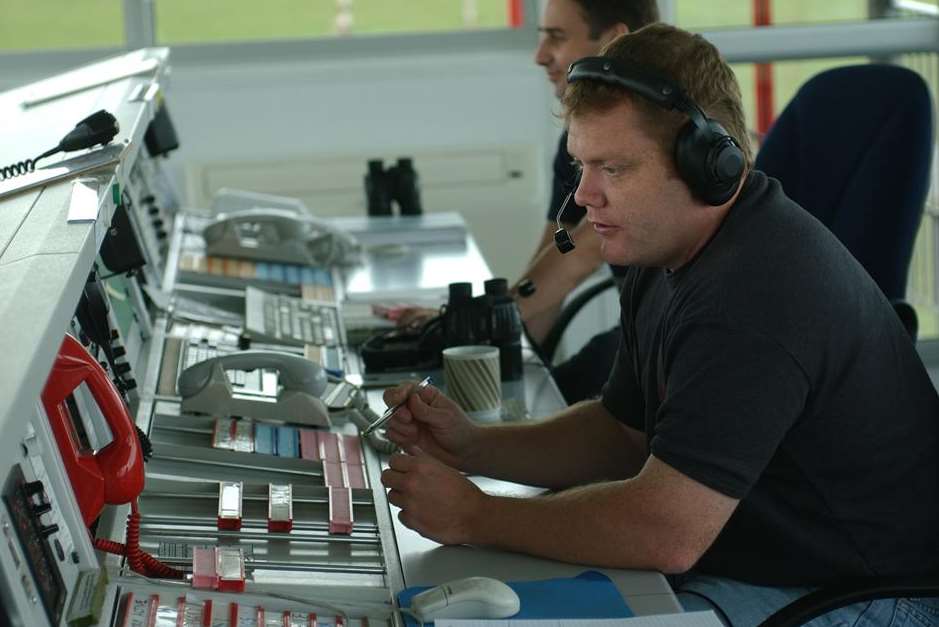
<point>607,525</point>
<point>555,275</point>
<point>582,444</point>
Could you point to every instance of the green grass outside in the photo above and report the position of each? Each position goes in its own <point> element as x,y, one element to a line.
<point>38,24</point>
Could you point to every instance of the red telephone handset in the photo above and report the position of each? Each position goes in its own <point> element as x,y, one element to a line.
<point>114,474</point>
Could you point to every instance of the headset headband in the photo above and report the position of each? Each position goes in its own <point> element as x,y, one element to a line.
<point>640,80</point>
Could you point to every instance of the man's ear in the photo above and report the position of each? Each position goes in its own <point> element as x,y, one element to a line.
<point>615,31</point>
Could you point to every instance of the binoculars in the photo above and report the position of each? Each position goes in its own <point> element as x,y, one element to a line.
<point>398,183</point>
<point>492,318</point>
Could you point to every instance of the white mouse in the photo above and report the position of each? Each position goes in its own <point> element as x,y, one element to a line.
<point>472,597</point>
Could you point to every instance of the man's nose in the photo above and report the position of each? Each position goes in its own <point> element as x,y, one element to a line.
<point>587,192</point>
<point>542,57</point>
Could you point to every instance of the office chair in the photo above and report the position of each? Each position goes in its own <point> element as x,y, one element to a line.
<point>853,148</point>
<point>549,345</point>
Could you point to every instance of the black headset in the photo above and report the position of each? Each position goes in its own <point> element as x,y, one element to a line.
<point>709,160</point>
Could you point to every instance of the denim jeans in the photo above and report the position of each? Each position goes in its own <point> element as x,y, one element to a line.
<point>740,604</point>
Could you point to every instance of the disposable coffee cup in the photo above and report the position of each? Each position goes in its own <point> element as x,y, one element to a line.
<point>471,374</point>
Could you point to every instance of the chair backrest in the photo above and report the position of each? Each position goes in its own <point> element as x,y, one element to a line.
<point>853,147</point>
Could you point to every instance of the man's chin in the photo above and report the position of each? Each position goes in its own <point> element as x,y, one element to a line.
<point>612,257</point>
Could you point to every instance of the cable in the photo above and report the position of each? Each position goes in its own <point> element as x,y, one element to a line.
<point>361,415</point>
<point>98,128</point>
<point>138,560</point>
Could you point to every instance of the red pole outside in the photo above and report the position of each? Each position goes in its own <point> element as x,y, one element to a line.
<point>764,72</point>
<point>516,13</point>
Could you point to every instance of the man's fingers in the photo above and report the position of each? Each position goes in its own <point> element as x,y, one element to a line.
<point>401,462</point>
<point>429,394</point>
<point>417,453</point>
<point>393,479</point>
<point>396,498</point>
<point>397,394</point>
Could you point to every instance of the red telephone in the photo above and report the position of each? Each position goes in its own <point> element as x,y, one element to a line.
<point>114,474</point>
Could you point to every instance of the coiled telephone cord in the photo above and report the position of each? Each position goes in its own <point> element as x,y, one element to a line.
<point>139,561</point>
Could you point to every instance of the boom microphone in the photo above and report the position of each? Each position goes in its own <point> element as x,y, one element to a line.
<point>562,238</point>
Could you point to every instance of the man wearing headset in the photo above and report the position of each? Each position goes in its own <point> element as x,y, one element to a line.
<point>768,426</point>
<point>569,30</point>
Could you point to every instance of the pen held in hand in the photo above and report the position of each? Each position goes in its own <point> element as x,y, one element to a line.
<point>385,417</point>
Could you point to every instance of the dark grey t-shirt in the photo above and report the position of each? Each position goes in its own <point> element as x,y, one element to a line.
<point>773,370</point>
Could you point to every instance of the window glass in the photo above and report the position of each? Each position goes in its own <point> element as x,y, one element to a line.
<point>186,21</point>
<point>53,24</point>
<point>697,15</point>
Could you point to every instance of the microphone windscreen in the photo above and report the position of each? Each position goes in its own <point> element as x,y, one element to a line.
<point>564,241</point>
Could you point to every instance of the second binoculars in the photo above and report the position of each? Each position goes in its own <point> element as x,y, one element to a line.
<point>492,318</point>
<point>397,183</point>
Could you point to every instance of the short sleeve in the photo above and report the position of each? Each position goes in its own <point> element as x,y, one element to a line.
<point>730,397</point>
<point>621,395</point>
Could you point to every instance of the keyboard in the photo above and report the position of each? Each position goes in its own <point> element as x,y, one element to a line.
<point>279,318</point>
<point>257,381</point>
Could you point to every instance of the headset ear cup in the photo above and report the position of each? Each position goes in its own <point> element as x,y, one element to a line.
<point>690,159</point>
<point>709,161</point>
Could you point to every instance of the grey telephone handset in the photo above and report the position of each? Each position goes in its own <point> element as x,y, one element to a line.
<point>279,235</point>
<point>204,387</point>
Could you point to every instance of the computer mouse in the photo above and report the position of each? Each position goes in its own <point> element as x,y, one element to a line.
<point>472,597</point>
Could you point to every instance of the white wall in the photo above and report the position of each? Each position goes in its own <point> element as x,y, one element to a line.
<point>382,107</point>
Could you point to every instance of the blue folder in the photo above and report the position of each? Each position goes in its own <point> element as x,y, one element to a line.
<point>288,444</point>
<point>588,595</point>
<point>265,439</point>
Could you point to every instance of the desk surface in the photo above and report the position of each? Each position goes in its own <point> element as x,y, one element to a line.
<point>425,562</point>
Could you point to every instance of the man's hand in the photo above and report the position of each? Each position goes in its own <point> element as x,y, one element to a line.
<point>435,500</point>
<point>412,317</point>
<point>433,423</point>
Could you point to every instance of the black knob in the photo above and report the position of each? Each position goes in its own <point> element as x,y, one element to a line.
<point>130,384</point>
<point>161,235</point>
<point>496,287</point>
<point>158,224</point>
<point>115,335</point>
<point>122,368</point>
<point>45,532</point>
<point>42,508</point>
<point>33,488</point>
<point>153,210</point>
<point>149,198</point>
<point>118,351</point>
